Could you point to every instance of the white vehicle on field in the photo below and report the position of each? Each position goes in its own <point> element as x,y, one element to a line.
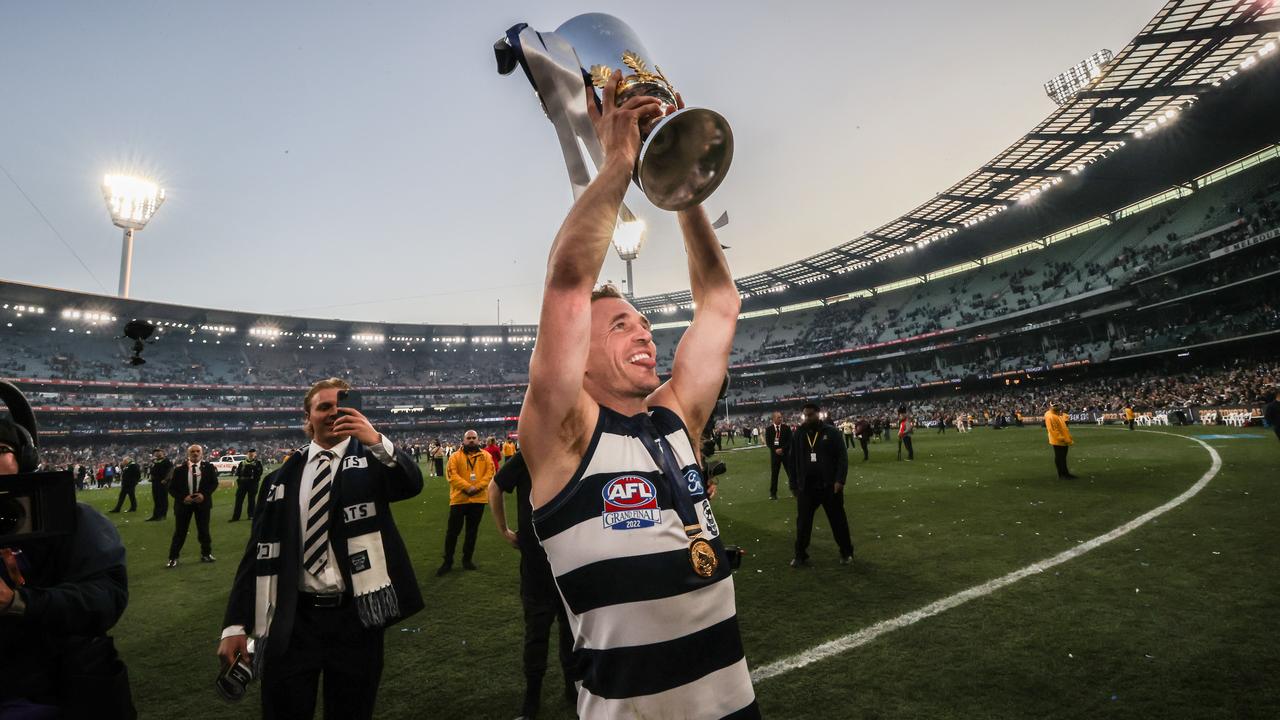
<point>227,464</point>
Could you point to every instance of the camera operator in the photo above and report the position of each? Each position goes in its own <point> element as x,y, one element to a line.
<point>58,598</point>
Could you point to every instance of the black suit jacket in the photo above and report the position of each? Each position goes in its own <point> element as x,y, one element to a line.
<point>785,434</point>
<point>180,484</point>
<point>388,484</point>
<point>131,475</point>
<point>833,463</point>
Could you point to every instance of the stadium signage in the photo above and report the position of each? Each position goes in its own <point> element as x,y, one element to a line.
<point>1246,243</point>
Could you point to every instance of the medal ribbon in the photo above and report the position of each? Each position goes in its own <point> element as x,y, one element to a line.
<point>680,498</point>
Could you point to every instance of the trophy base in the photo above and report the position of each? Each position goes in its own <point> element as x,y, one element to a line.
<point>684,158</point>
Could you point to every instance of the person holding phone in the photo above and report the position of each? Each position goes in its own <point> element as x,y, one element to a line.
<point>325,571</point>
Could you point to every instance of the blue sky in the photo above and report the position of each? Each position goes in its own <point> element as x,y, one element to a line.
<point>365,160</point>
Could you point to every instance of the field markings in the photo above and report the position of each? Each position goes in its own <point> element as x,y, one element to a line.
<point>867,634</point>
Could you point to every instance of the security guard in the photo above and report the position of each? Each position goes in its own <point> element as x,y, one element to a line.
<point>1055,422</point>
<point>248,473</point>
<point>820,466</point>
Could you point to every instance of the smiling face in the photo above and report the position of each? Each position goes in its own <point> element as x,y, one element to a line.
<point>622,363</point>
<point>320,416</point>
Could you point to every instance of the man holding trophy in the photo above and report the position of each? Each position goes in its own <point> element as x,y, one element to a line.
<point>620,503</point>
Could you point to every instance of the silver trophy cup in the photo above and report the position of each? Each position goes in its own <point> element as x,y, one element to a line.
<point>685,155</point>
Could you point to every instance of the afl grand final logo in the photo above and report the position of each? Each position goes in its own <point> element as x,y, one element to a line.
<point>630,502</point>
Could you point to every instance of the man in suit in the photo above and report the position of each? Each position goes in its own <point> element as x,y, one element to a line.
<point>819,465</point>
<point>325,571</point>
<point>160,472</point>
<point>248,474</point>
<point>192,488</point>
<point>777,437</point>
<point>130,476</point>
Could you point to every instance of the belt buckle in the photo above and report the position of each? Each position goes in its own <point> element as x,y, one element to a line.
<point>327,601</point>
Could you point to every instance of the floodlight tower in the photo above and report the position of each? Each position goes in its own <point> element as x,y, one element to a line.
<point>132,201</point>
<point>628,238</point>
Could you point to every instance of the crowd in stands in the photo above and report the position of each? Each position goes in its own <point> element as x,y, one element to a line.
<point>1240,383</point>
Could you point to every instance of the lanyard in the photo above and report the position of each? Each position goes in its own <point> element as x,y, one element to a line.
<point>812,438</point>
<point>471,464</point>
<point>680,498</point>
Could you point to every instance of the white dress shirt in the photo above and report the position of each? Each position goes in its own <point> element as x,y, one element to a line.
<point>330,578</point>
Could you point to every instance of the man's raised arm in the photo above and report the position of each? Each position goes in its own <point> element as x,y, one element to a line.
<point>702,357</point>
<point>555,396</point>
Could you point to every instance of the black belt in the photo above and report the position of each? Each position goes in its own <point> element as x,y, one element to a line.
<point>330,600</point>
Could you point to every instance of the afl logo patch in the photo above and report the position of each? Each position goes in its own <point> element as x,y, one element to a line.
<point>630,502</point>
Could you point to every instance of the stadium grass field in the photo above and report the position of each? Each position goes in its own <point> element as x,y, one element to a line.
<point>1177,619</point>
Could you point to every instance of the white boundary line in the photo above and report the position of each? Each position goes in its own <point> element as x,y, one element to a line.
<point>867,634</point>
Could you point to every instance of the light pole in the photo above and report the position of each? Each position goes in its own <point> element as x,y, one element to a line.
<point>628,238</point>
<point>131,201</point>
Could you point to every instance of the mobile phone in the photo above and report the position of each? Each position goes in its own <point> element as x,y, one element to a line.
<point>351,399</point>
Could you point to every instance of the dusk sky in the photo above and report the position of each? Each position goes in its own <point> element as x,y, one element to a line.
<point>365,161</point>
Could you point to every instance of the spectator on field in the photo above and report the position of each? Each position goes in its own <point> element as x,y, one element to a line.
<point>1055,422</point>
<point>470,471</point>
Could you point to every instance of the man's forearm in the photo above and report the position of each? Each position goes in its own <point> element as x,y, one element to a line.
<point>710,281</point>
<point>583,240</point>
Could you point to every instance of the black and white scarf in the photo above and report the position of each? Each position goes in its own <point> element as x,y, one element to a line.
<point>370,585</point>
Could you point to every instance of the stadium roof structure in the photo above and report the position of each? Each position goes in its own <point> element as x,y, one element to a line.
<point>1191,50</point>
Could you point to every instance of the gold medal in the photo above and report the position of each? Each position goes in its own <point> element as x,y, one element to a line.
<point>703,558</point>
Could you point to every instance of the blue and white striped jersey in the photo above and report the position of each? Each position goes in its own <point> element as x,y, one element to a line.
<point>652,638</point>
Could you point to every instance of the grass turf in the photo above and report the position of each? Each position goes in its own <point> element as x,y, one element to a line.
<point>1178,619</point>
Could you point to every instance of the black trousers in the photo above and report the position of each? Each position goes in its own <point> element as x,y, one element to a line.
<point>863,440</point>
<point>243,490</point>
<point>470,513</point>
<point>159,500</point>
<point>808,502</point>
<point>438,464</point>
<point>182,514</point>
<point>848,441</point>
<point>332,642</point>
<point>127,491</point>
<point>1131,423</point>
<point>1060,459</point>
<point>776,462</point>
<point>906,443</point>
<point>542,606</point>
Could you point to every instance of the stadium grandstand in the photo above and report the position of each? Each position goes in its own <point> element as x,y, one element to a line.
<point>1132,229</point>
<point>1123,253</point>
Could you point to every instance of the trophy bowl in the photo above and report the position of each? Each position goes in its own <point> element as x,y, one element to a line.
<point>685,154</point>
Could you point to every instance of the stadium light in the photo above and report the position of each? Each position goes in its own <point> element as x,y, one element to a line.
<point>628,238</point>
<point>132,201</point>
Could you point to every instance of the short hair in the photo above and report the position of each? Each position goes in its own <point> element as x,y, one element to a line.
<point>810,406</point>
<point>607,290</point>
<point>325,384</point>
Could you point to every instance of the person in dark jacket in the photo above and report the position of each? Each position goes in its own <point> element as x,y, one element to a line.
<point>248,475</point>
<point>59,596</point>
<point>538,594</point>
<point>863,432</point>
<point>159,472</point>
<point>820,465</point>
<point>192,487</point>
<point>1271,413</point>
<point>777,437</point>
<point>325,571</point>
<point>130,476</point>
